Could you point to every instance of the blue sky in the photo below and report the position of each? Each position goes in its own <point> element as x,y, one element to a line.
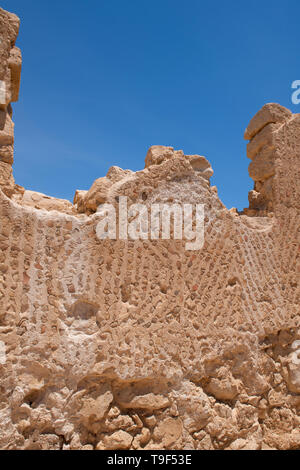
<point>104,80</point>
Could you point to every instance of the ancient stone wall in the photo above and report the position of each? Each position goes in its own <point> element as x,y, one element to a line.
<point>123,344</point>
<point>10,72</point>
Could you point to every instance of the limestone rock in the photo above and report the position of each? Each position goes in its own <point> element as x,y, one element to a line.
<point>244,444</point>
<point>149,401</point>
<point>6,131</point>
<point>294,368</point>
<point>168,432</point>
<point>116,174</point>
<point>7,154</point>
<point>145,344</point>
<point>141,439</point>
<point>159,153</point>
<point>15,65</point>
<point>43,202</point>
<point>97,194</point>
<point>120,440</point>
<point>201,165</point>
<point>10,71</point>
<point>96,408</point>
<point>118,182</point>
<point>223,389</point>
<point>7,182</point>
<point>270,113</point>
<point>263,140</point>
<point>262,166</point>
<point>79,201</point>
<point>9,24</point>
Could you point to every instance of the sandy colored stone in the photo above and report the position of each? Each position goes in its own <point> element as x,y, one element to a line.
<point>120,440</point>
<point>78,201</point>
<point>262,166</point>
<point>157,154</point>
<point>97,194</point>
<point>7,131</point>
<point>122,344</point>
<point>149,401</point>
<point>7,182</point>
<point>43,202</point>
<point>293,366</point>
<point>142,439</point>
<point>168,432</point>
<point>10,70</point>
<point>7,154</point>
<point>201,165</point>
<point>270,113</point>
<point>15,65</point>
<point>264,140</point>
<point>9,27</point>
<point>96,408</point>
<point>223,388</point>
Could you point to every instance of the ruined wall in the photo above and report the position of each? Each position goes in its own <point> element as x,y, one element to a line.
<point>10,71</point>
<point>143,344</point>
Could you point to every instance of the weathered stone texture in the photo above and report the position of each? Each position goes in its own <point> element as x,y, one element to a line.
<point>10,73</point>
<point>142,344</point>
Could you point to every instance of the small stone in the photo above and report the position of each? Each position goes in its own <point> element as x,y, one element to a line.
<point>120,440</point>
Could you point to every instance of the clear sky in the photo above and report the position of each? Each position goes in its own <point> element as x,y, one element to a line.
<point>103,80</point>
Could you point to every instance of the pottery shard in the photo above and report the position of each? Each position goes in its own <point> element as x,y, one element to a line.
<point>15,65</point>
<point>262,166</point>
<point>150,401</point>
<point>270,113</point>
<point>120,440</point>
